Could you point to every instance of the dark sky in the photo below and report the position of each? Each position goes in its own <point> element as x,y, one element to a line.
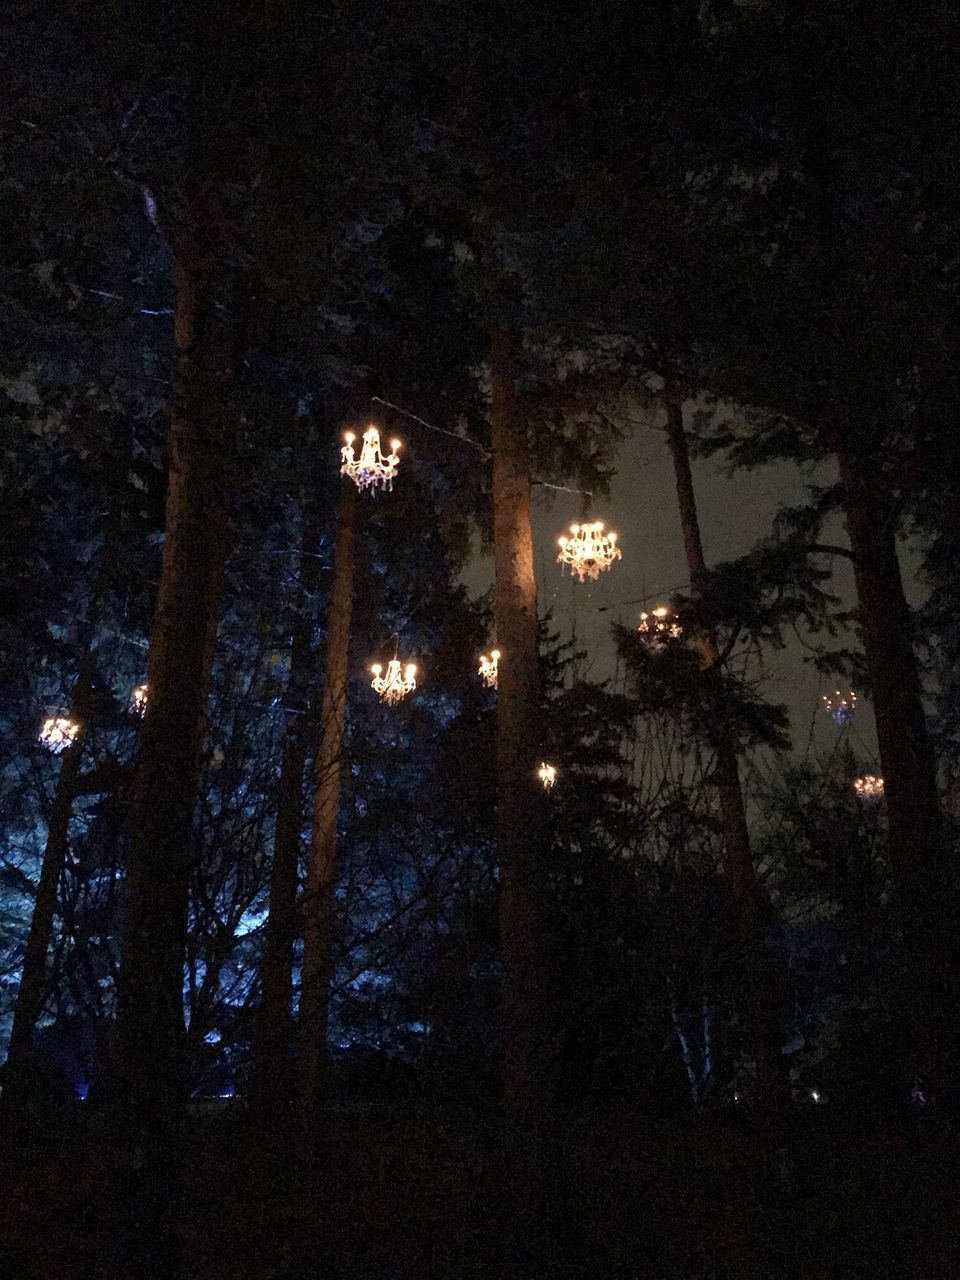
<point>735,510</point>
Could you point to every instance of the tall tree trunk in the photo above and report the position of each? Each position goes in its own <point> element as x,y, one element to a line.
<point>273,1025</point>
<point>927,883</point>
<point>33,990</point>
<point>181,646</point>
<point>765,1028</point>
<point>321,869</point>
<point>529,1052</point>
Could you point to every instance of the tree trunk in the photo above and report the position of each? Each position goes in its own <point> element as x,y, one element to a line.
<point>273,1026</point>
<point>321,869</point>
<point>150,995</point>
<point>529,1052</point>
<point>917,844</point>
<point>33,990</point>
<point>765,1028</point>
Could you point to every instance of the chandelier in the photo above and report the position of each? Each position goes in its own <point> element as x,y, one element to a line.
<point>488,668</point>
<point>58,732</point>
<point>841,706</point>
<point>868,787</point>
<point>138,700</point>
<point>547,773</point>
<point>659,626</point>
<point>395,684</point>
<point>371,470</point>
<point>589,551</point>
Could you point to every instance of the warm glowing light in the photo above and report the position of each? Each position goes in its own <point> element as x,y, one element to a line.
<point>659,626</point>
<point>138,700</point>
<point>58,732</point>
<point>841,706</point>
<point>488,670</point>
<point>371,470</point>
<point>396,684</point>
<point>868,787</point>
<point>589,551</point>
<point>547,773</point>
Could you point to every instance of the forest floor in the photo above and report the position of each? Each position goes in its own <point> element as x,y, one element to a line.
<point>411,1196</point>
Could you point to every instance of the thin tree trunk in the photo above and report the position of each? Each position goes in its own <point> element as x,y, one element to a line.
<point>33,990</point>
<point>273,1025</point>
<point>529,1053</point>
<point>321,869</point>
<point>917,843</point>
<point>766,1032</point>
<point>181,646</point>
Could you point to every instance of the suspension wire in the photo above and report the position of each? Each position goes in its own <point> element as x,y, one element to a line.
<point>473,444</point>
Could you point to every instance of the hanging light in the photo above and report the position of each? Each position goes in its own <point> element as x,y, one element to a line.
<point>487,670</point>
<point>589,551</point>
<point>547,773</point>
<point>868,787</point>
<point>58,732</point>
<point>659,626</point>
<point>371,470</point>
<point>841,706</point>
<point>138,700</point>
<point>396,684</point>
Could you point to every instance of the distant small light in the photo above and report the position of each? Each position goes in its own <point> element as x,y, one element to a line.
<point>814,1094</point>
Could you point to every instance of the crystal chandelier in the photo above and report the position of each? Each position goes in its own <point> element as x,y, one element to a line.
<point>841,706</point>
<point>488,668</point>
<point>659,626</point>
<point>547,773</point>
<point>589,551</point>
<point>138,700</point>
<point>395,684</point>
<point>371,470</point>
<point>58,732</point>
<point>869,787</point>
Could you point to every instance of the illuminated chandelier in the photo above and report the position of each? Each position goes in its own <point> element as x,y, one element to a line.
<point>138,700</point>
<point>396,684</point>
<point>57,733</point>
<point>868,787</point>
<point>547,773</point>
<point>659,626</point>
<point>371,470</point>
<point>841,706</point>
<point>488,669</point>
<point>589,551</point>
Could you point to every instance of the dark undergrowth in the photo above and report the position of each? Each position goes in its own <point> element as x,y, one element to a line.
<point>416,1195</point>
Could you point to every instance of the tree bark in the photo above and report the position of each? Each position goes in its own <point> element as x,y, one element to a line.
<point>529,1049</point>
<point>766,1031</point>
<point>918,852</point>
<point>33,990</point>
<point>321,869</point>
<point>150,995</point>
<point>273,1025</point>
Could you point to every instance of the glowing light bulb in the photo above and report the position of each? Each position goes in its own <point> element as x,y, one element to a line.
<point>138,700</point>
<point>372,470</point>
<point>489,668</point>
<point>659,627</point>
<point>58,732</point>
<point>547,773</point>
<point>396,684</point>
<point>841,706</point>
<point>868,787</point>
<point>590,551</point>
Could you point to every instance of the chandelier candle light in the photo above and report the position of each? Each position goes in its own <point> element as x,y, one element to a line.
<point>659,626</point>
<point>841,706</point>
<point>138,700</point>
<point>547,773</point>
<point>589,551</point>
<point>371,470</point>
<point>869,787</point>
<point>58,732</point>
<point>395,684</point>
<point>488,668</point>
